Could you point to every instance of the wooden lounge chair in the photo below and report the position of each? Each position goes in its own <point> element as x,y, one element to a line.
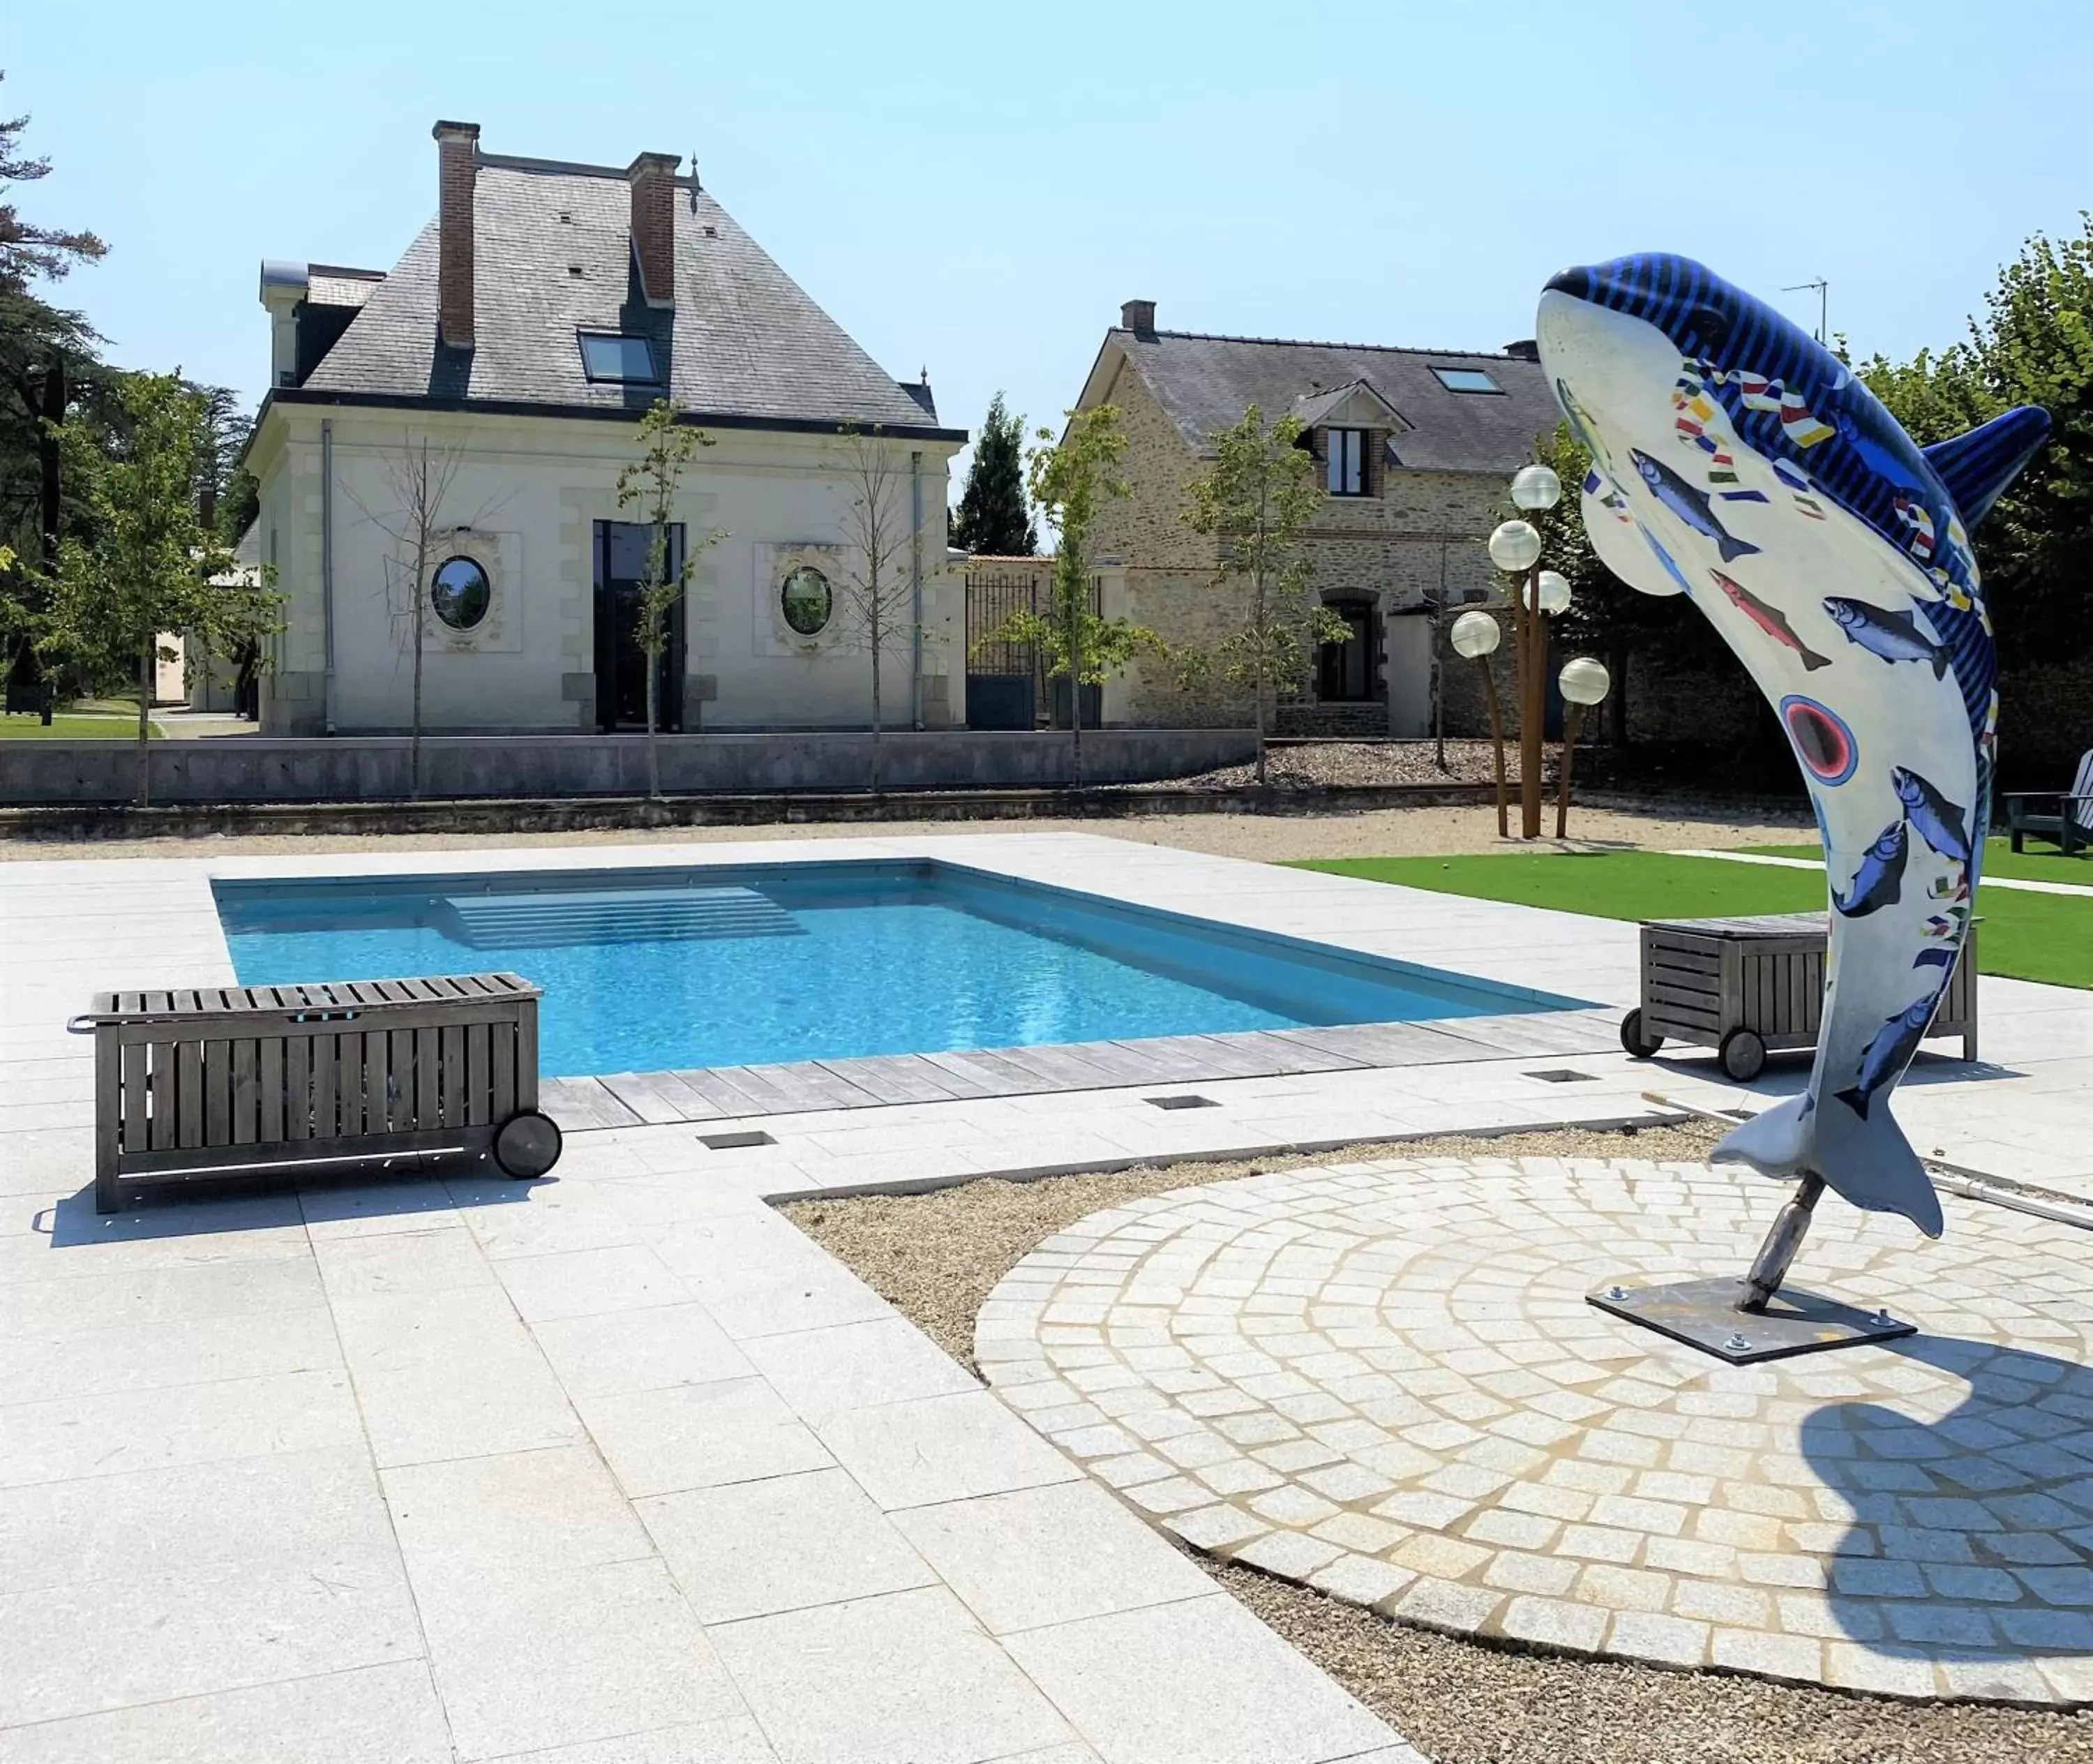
<point>352,1077</point>
<point>2070,828</point>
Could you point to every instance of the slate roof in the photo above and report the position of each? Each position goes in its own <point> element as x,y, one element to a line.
<point>552,256</point>
<point>1205,382</point>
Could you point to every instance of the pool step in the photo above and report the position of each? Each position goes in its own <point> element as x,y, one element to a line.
<point>615,916</point>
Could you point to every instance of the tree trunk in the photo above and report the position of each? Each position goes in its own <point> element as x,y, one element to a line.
<point>1076,685</point>
<point>414,736</point>
<point>654,650</point>
<point>146,657</point>
<point>878,756</point>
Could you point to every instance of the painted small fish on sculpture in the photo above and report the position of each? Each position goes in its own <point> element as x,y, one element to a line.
<point>1938,822</point>
<point>1769,619</point>
<point>1689,505</point>
<point>1894,636</point>
<point>1761,463</point>
<point>1879,881</point>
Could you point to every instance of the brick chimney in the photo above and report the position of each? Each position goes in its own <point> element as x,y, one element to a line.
<point>457,166</point>
<point>652,176</point>
<point>1138,316</point>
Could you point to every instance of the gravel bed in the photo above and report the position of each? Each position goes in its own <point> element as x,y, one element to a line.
<point>1320,765</point>
<point>936,1256</point>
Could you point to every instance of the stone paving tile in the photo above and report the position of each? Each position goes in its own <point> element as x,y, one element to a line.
<point>387,1712</point>
<point>1427,1418</point>
<point>1194,1680</point>
<point>908,1678</point>
<point>754,1548</point>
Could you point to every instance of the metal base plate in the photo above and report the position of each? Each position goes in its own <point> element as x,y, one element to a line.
<point>1704,1314</point>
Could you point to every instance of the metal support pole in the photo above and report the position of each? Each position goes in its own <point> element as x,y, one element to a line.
<point>1496,744</point>
<point>1532,699</point>
<point>1769,1266</point>
<point>1571,718</point>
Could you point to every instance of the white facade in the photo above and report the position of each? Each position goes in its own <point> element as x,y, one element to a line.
<point>524,496</point>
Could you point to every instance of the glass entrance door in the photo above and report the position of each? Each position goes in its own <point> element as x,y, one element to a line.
<point>1345,670</point>
<point>621,658</point>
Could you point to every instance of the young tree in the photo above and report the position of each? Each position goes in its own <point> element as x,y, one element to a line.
<point>1258,501</point>
<point>147,572</point>
<point>993,518</point>
<point>652,481</point>
<point>876,613</point>
<point>420,482</point>
<point>1069,480</point>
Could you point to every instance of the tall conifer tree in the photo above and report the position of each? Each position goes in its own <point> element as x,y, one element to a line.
<point>994,519</point>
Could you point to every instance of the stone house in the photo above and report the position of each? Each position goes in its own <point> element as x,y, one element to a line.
<point>520,337</point>
<point>1415,448</point>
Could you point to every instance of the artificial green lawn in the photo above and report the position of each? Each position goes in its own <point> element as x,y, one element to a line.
<point>31,727</point>
<point>2040,862</point>
<point>2028,936</point>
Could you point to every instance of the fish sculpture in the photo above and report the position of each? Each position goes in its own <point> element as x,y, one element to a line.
<point>1755,460</point>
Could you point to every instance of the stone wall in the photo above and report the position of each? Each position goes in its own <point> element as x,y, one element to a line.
<point>239,769</point>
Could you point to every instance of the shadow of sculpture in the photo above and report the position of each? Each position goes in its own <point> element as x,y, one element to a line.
<point>1969,1537</point>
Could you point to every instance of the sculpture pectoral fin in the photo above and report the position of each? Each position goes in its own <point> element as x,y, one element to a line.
<point>1620,548</point>
<point>1865,1159</point>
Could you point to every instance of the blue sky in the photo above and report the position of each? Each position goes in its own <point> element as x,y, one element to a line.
<point>977,187</point>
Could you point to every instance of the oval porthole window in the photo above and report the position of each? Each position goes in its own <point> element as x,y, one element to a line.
<point>807,600</point>
<point>461,593</point>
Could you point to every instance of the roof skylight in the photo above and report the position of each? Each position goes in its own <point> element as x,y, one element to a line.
<point>619,359</point>
<point>1466,379</point>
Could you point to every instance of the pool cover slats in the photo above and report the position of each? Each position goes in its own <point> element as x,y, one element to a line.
<point>732,1093</point>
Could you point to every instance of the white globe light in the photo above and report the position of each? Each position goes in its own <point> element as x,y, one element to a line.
<point>1475,635</point>
<point>1552,591</point>
<point>1585,680</point>
<point>1514,546</point>
<point>1536,487</point>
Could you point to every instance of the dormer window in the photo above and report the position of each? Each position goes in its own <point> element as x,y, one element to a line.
<point>617,359</point>
<point>1467,379</point>
<point>1346,471</point>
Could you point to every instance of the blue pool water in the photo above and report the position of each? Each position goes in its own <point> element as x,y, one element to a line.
<point>666,970</point>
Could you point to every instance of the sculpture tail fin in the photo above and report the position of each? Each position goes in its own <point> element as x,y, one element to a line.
<point>1866,1159</point>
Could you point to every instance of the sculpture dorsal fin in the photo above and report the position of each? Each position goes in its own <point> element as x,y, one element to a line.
<point>1977,466</point>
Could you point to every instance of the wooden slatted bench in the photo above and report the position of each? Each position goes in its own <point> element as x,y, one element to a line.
<point>1746,985</point>
<point>343,1077</point>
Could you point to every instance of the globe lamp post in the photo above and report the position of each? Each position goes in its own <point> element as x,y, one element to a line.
<point>1584,682</point>
<point>1475,636</point>
<point>1516,549</point>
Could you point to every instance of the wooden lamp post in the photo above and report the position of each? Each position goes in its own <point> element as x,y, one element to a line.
<point>1584,682</point>
<point>1476,636</point>
<point>1516,549</point>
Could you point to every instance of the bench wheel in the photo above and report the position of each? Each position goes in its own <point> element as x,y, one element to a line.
<point>1743,1055</point>
<point>526,1145</point>
<point>1639,1046</point>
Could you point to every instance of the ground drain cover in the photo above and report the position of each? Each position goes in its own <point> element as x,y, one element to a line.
<point>1563,1075</point>
<point>734,1141</point>
<point>1181,1102</point>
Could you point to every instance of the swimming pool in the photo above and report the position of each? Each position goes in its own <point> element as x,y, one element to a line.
<point>665,970</point>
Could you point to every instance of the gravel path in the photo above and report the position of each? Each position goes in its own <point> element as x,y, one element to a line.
<point>936,1257</point>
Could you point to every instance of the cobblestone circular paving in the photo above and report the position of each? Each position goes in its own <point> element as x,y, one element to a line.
<point>1383,1380</point>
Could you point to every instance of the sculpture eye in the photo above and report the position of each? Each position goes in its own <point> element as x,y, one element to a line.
<point>1711,328</point>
